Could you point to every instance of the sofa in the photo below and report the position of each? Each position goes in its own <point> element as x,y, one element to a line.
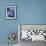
<point>37,36</point>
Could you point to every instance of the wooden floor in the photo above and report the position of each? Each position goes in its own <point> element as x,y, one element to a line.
<point>30,43</point>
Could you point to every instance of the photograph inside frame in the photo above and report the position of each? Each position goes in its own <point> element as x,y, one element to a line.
<point>10,12</point>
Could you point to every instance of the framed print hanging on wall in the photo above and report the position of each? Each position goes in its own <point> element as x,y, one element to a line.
<point>10,12</point>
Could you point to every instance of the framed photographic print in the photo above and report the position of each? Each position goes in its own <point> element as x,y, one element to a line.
<point>10,11</point>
